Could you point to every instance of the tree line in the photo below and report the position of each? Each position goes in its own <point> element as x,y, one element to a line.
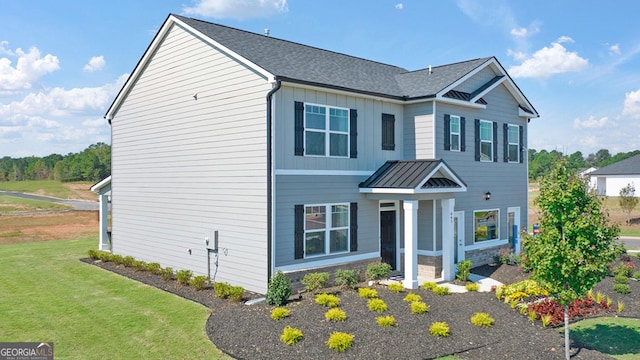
<point>91,164</point>
<point>541,162</point>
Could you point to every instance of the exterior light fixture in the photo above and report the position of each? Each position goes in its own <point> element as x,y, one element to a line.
<point>487,195</point>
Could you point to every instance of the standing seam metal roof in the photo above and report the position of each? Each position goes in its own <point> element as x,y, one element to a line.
<point>407,174</point>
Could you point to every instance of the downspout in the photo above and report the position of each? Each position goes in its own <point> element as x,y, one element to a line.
<point>269,176</point>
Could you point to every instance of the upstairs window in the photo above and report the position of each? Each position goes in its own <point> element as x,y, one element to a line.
<point>388,132</point>
<point>454,133</point>
<point>325,131</point>
<point>512,143</point>
<point>486,141</point>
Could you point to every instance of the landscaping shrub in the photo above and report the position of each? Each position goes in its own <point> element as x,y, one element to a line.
<point>636,275</point>
<point>620,306</point>
<point>236,294</point>
<point>368,293</point>
<point>441,290</point>
<point>621,288</point>
<point>579,308</point>
<point>116,259</point>
<point>280,313</point>
<point>139,265</point>
<point>199,282</point>
<point>546,320</point>
<point>624,269</point>
<point>429,285</point>
<point>104,256</point>
<point>419,307</point>
<point>386,321</point>
<point>377,271</point>
<point>226,291</point>
<point>620,279</point>
<point>396,287</point>
<point>439,328</point>
<point>167,274</point>
<point>482,319</point>
<point>93,254</point>
<point>335,314</point>
<point>183,276</point>
<point>154,267</point>
<point>291,335</point>
<point>377,305</point>
<point>315,281</point>
<point>472,287</point>
<point>128,261</point>
<point>464,270</point>
<point>340,341</point>
<point>347,278</point>
<point>327,300</point>
<point>411,297</point>
<point>521,290</point>
<point>278,290</point>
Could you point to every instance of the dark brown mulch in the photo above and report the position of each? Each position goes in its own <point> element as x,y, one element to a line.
<point>247,332</point>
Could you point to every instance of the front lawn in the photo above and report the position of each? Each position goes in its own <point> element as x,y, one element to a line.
<point>617,337</point>
<point>49,295</point>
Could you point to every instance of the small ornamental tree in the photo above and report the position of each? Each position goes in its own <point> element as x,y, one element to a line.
<point>576,243</point>
<point>628,200</point>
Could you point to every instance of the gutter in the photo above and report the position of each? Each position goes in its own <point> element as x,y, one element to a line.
<point>270,176</point>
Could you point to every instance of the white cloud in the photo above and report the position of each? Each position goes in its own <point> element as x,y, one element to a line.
<point>29,67</point>
<point>548,61</point>
<point>517,55</point>
<point>237,9</point>
<point>591,123</point>
<point>632,105</point>
<point>614,49</point>
<point>96,63</point>
<point>399,6</point>
<point>522,32</point>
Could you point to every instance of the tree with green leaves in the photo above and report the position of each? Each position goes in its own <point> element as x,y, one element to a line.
<point>577,243</point>
<point>628,200</point>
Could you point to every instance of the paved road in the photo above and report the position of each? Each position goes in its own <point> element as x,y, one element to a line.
<point>82,205</point>
<point>631,242</point>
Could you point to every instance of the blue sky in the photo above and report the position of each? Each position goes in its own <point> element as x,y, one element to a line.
<point>62,62</point>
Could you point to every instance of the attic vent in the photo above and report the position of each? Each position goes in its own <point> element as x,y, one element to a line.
<point>266,32</point>
<point>429,69</point>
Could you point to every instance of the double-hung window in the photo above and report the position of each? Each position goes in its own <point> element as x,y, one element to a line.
<point>326,131</point>
<point>513,143</point>
<point>454,133</point>
<point>326,229</point>
<point>486,140</point>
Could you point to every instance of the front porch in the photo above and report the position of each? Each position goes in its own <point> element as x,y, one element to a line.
<point>407,183</point>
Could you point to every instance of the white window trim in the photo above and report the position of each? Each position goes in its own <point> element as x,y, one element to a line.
<point>327,131</point>
<point>490,141</point>
<point>474,226</point>
<point>451,133</point>
<point>517,144</point>
<point>327,230</point>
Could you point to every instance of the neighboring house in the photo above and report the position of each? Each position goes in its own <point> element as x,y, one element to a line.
<point>609,180</point>
<point>237,155</point>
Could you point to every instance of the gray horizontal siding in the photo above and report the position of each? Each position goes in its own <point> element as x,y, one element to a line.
<point>370,153</point>
<point>182,168</point>
<point>507,182</point>
<point>295,189</point>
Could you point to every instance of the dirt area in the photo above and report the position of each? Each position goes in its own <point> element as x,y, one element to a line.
<point>45,227</point>
<point>82,190</point>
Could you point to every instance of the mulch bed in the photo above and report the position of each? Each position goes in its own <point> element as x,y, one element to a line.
<point>248,332</point>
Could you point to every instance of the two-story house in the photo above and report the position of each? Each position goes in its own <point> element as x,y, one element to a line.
<point>236,155</point>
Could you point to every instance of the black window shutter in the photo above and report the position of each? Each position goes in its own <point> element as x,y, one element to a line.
<point>477,139</point>
<point>463,133</point>
<point>299,232</point>
<point>354,226</point>
<point>388,132</point>
<point>522,152</point>
<point>495,141</point>
<point>447,132</point>
<point>299,128</point>
<point>353,133</point>
<point>505,144</point>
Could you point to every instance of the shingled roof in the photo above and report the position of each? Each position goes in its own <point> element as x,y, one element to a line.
<point>629,166</point>
<point>296,62</point>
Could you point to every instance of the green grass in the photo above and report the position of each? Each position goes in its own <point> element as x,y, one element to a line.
<point>630,232</point>
<point>89,313</point>
<point>617,337</point>
<point>45,187</point>
<point>10,204</point>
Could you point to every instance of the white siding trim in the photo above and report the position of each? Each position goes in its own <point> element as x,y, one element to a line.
<point>426,252</point>
<point>486,244</point>
<point>324,172</point>
<point>327,262</point>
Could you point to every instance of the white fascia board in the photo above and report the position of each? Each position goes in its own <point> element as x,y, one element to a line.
<point>310,265</point>
<point>460,102</point>
<point>486,91</point>
<point>526,115</point>
<point>159,38</point>
<point>411,191</point>
<point>444,168</point>
<point>104,182</point>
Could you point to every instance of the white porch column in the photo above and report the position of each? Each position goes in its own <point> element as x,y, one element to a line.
<point>448,242</point>
<point>410,244</point>
<point>104,213</point>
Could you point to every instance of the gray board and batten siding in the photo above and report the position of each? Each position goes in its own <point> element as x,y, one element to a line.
<point>185,167</point>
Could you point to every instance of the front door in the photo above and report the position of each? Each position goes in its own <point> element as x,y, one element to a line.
<point>388,237</point>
